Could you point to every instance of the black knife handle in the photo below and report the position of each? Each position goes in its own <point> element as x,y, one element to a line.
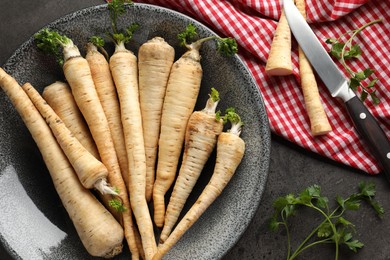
<point>370,131</point>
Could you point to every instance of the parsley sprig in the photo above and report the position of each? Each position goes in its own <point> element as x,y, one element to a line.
<point>116,9</point>
<point>334,228</point>
<point>117,205</point>
<point>347,50</point>
<point>188,37</point>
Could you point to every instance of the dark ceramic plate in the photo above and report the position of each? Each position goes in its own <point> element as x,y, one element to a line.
<point>33,223</point>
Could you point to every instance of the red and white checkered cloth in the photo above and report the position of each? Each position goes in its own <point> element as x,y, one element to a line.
<point>253,22</point>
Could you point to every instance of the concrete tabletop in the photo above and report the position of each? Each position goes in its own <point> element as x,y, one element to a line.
<point>291,168</point>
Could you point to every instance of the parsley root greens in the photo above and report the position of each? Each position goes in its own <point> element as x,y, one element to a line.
<point>155,59</point>
<point>98,230</point>
<point>346,50</point>
<point>335,228</point>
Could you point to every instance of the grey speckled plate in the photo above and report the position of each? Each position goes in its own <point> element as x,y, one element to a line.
<point>33,223</point>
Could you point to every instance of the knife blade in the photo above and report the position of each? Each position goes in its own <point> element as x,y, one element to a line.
<point>365,123</point>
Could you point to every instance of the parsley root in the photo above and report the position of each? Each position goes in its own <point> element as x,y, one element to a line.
<point>201,136</point>
<point>91,172</point>
<point>155,59</point>
<point>98,230</point>
<point>124,70</point>
<point>318,119</point>
<point>59,97</point>
<point>279,57</point>
<point>78,74</point>
<point>106,91</point>
<point>230,151</point>
<point>180,98</point>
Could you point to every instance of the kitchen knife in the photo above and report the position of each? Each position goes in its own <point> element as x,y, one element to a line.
<point>365,123</point>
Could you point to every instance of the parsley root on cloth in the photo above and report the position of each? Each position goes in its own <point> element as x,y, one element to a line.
<point>98,230</point>
<point>155,59</point>
<point>180,98</point>
<point>318,119</point>
<point>230,151</point>
<point>201,136</point>
<point>279,58</point>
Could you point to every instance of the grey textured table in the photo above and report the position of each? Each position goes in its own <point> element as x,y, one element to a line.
<point>291,168</point>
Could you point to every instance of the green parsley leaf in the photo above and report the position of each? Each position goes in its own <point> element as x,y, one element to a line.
<point>367,189</point>
<point>354,83</point>
<point>352,204</point>
<point>336,50</point>
<point>360,75</point>
<point>344,222</point>
<point>374,98</point>
<point>380,211</point>
<point>325,230</point>
<point>188,35</point>
<point>363,95</point>
<point>353,52</point>
<point>346,50</point>
<point>273,224</point>
<point>372,83</point>
<point>340,201</point>
<point>368,72</point>
<point>354,245</point>
<point>322,202</point>
<point>280,203</point>
<point>227,46</point>
<point>334,228</point>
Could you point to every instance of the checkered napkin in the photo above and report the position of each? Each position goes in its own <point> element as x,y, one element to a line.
<point>253,22</point>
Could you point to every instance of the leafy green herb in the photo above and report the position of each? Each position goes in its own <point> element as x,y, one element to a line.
<point>214,95</point>
<point>212,103</point>
<point>52,43</point>
<point>225,46</point>
<point>117,205</point>
<point>334,228</point>
<point>116,9</point>
<point>346,51</point>
<point>218,115</point>
<point>116,189</point>
<point>234,119</point>
<point>97,41</point>
<point>126,35</point>
<point>188,35</point>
